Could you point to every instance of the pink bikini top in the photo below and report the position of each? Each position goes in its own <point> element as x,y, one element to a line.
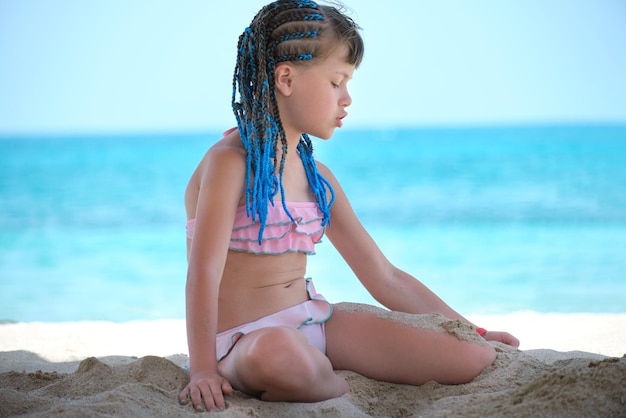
<point>281,235</point>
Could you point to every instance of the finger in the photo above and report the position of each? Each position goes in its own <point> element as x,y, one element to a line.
<point>218,397</point>
<point>508,339</point>
<point>196,398</point>
<point>513,341</point>
<point>227,389</point>
<point>183,396</point>
<point>213,398</point>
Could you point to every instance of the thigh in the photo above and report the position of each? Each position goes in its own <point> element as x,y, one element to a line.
<point>384,349</point>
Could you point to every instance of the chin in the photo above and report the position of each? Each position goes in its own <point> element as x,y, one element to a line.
<point>323,135</point>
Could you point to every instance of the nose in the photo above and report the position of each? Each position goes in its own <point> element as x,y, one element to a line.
<point>346,100</point>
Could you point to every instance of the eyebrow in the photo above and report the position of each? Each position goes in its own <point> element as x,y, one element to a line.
<point>344,74</point>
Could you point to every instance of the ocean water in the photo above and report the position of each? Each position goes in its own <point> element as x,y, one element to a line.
<point>493,219</point>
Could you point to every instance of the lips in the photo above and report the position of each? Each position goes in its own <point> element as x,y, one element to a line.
<point>340,120</point>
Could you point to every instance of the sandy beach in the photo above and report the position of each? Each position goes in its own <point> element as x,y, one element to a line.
<point>567,365</point>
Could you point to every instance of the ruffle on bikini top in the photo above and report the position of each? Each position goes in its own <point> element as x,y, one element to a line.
<point>280,235</point>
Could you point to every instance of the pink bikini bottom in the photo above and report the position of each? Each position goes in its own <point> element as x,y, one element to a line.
<point>308,317</point>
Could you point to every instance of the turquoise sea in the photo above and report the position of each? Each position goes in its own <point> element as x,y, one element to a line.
<point>494,219</point>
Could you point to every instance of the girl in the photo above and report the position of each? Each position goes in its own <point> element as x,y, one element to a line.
<point>256,206</point>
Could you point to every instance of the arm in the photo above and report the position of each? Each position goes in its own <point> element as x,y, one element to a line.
<point>218,187</point>
<point>392,287</point>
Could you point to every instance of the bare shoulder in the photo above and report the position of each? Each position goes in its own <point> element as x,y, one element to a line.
<point>326,173</point>
<point>226,155</point>
<point>223,163</point>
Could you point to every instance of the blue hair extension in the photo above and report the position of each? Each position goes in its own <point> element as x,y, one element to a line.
<point>307,3</point>
<point>297,35</point>
<point>319,185</point>
<point>256,110</point>
<point>295,57</point>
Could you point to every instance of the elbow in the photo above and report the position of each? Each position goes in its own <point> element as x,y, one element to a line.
<point>198,277</point>
<point>386,286</point>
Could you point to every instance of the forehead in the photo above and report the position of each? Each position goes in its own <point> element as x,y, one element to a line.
<point>337,61</point>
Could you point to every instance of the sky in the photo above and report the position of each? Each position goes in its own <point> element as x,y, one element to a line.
<point>75,66</point>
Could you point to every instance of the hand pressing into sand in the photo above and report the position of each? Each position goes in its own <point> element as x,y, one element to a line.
<point>502,337</point>
<point>206,389</point>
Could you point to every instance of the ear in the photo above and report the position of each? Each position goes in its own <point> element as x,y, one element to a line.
<point>283,77</point>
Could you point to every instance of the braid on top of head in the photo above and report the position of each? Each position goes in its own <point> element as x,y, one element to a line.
<point>297,31</point>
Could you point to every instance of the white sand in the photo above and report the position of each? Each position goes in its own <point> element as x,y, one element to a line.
<point>559,372</point>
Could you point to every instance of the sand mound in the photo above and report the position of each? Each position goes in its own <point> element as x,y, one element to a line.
<point>519,384</point>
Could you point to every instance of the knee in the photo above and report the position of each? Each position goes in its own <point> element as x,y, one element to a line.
<point>278,353</point>
<point>281,366</point>
<point>477,357</point>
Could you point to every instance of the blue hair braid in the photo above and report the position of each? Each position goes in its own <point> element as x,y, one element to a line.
<point>286,30</point>
<point>318,183</point>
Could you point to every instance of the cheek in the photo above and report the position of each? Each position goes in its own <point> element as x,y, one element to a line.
<point>322,100</point>
<point>313,104</point>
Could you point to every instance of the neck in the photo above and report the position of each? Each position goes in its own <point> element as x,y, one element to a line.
<point>293,139</point>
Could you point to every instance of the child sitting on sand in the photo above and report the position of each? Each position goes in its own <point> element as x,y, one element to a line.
<point>259,202</point>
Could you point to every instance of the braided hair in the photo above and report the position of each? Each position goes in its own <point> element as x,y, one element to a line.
<point>295,31</point>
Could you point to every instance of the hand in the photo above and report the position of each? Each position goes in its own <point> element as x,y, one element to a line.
<point>503,337</point>
<point>206,389</point>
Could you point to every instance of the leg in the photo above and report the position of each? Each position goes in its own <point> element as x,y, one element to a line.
<point>394,352</point>
<point>278,364</point>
